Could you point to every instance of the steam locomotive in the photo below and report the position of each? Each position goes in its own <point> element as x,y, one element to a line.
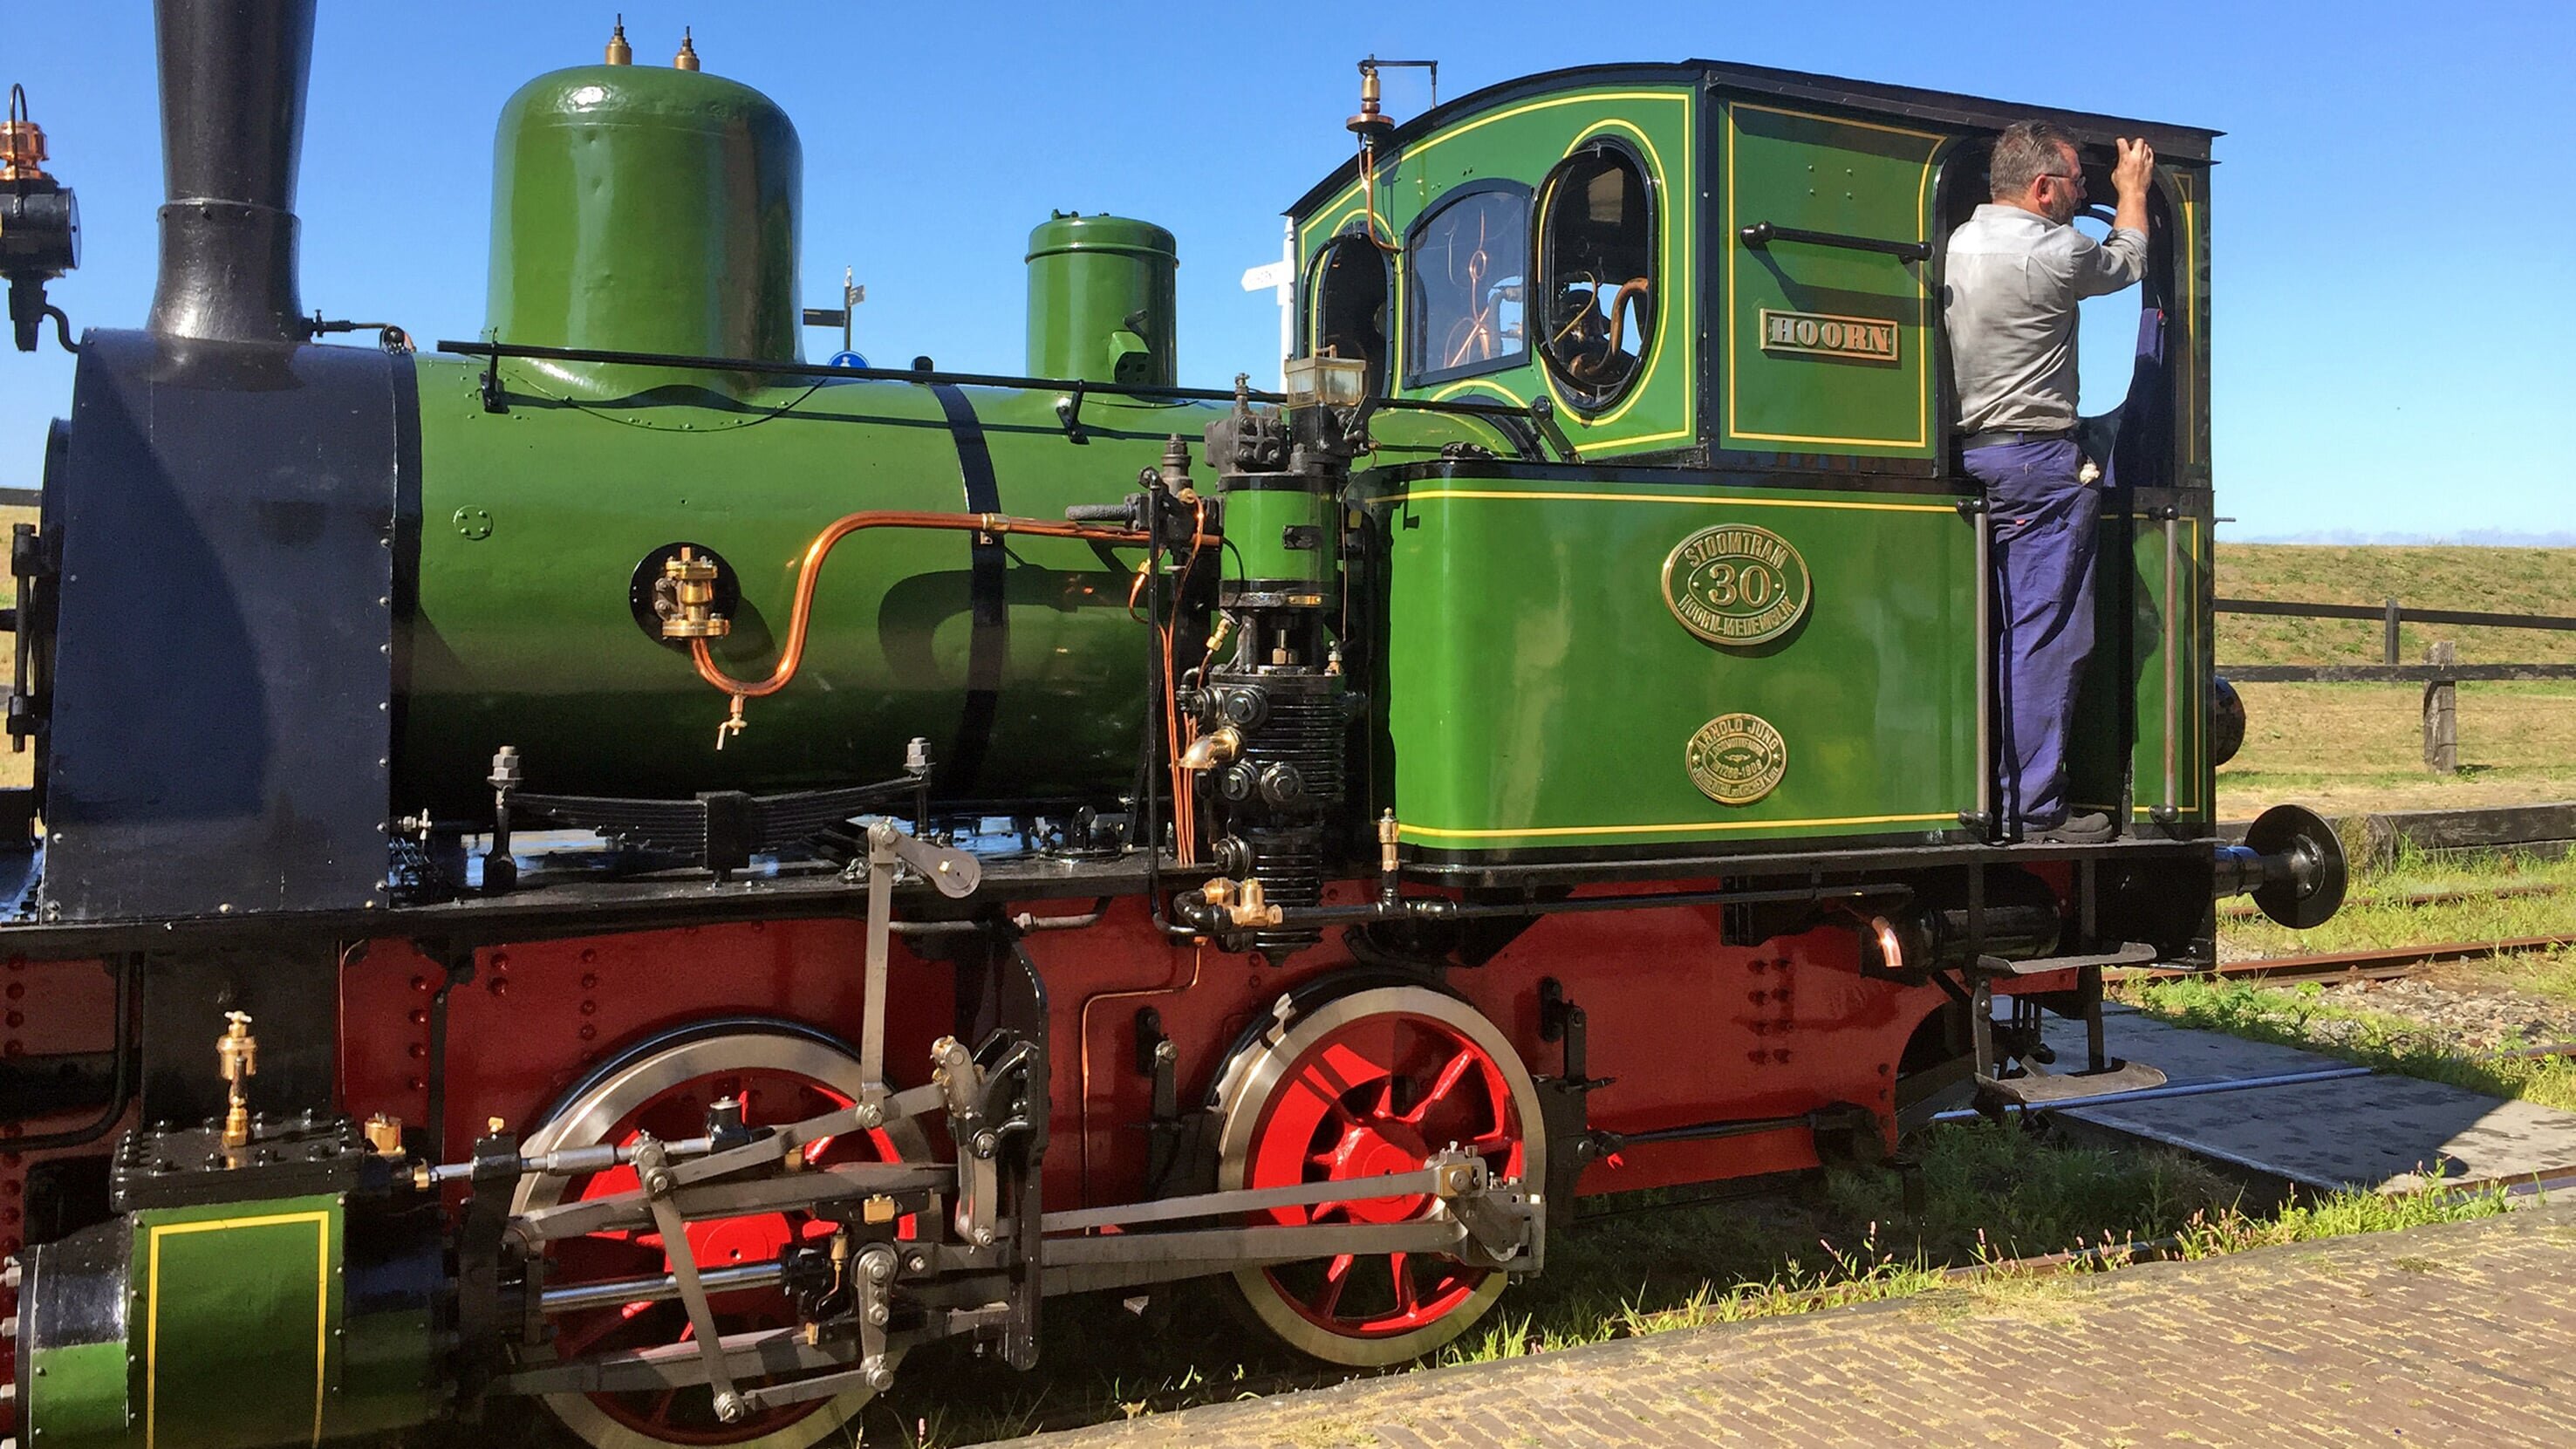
<point>608,863</point>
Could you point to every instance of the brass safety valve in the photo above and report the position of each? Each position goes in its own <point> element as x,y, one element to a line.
<point>1244,903</point>
<point>237,1061</point>
<point>693,589</point>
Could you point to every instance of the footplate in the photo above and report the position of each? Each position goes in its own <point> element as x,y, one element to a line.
<point>2053,1088</point>
<point>2131,953</point>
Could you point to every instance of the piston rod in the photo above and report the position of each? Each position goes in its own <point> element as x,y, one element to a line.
<point>618,1292</point>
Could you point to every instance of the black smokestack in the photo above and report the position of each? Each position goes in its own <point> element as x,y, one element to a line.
<point>232,125</point>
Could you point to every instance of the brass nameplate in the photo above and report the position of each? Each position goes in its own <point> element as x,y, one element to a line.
<point>1816,334</point>
<point>1736,759</point>
<point>1736,584</point>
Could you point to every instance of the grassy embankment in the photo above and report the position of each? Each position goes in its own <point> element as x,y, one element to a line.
<point>2347,748</point>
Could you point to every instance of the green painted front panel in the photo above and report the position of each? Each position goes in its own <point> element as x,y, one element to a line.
<point>2133,604</point>
<point>1522,140</point>
<point>1818,172</point>
<point>525,636</point>
<point>235,1328</point>
<point>1256,532</point>
<point>1541,692</point>
<point>79,1399</point>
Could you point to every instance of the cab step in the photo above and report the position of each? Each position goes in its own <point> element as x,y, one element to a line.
<point>2050,1088</point>
<point>2131,953</point>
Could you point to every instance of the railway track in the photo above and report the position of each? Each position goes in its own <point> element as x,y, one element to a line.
<point>2381,964</point>
<point>2241,910</point>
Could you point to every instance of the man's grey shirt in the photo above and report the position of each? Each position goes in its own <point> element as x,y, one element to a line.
<point>2013,278</point>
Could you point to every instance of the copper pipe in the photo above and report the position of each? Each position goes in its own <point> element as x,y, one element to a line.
<point>801,617</point>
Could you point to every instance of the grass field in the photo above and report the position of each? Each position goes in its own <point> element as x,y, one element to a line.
<point>2348,748</point>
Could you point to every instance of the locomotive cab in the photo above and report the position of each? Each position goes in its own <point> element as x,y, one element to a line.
<point>1723,282</point>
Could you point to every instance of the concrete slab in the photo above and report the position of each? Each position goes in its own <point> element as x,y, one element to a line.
<point>2187,1058</point>
<point>2378,1132</point>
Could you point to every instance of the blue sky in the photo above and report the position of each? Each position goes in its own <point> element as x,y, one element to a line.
<point>2395,242</point>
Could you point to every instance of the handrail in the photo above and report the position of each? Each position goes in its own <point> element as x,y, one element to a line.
<point>1761,234</point>
<point>1153,392</point>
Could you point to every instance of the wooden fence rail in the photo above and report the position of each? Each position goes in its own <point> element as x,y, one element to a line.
<point>2441,674</point>
<point>2391,614</point>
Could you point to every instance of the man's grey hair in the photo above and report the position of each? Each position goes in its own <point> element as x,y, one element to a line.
<point>2025,152</point>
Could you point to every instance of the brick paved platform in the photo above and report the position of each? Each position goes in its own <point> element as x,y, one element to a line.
<point>2454,1334</point>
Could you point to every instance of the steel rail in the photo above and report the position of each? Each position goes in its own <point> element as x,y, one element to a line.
<point>2383,964</point>
<point>2423,898</point>
<point>2151,1094</point>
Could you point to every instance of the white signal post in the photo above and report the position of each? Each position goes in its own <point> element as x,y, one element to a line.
<point>1281,276</point>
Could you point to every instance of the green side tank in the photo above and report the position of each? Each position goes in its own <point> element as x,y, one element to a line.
<point>655,210</point>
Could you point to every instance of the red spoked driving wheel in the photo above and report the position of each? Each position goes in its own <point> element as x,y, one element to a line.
<point>1368,1084</point>
<point>777,1078</point>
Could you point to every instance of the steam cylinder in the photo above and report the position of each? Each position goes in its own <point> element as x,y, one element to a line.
<point>1101,302</point>
<point>643,209</point>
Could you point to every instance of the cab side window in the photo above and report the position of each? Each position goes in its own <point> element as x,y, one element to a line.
<point>1596,256</point>
<point>1349,318</point>
<point>1466,274</point>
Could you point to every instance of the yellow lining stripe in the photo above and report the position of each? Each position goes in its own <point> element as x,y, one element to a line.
<point>1923,393</point>
<point>1440,833</point>
<point>1487,384</point>
<point>321,1221</point>
<point>1431,493</point>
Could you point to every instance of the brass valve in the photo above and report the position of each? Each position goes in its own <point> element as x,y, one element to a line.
<point>1387,831</point>
<point>619,52</point>
<point>1371,123</point>
<point>693,595</point>
<point>22,150</point>
<point>1217,747</point>
<point>687,59</point>
<point>1243,902</point>
<point>237,1061</point>
<point>384,1134</point>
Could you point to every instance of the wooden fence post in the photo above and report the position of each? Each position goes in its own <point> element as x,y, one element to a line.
<point>2388,643</point>
<point>2442,713</point>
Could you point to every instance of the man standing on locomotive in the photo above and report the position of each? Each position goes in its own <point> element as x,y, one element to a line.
<point>2015,272</point>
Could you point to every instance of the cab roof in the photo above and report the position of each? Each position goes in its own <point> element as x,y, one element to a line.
<point>1947,108</point>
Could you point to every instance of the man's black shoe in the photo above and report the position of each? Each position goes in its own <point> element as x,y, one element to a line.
<point>2090,828</point>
